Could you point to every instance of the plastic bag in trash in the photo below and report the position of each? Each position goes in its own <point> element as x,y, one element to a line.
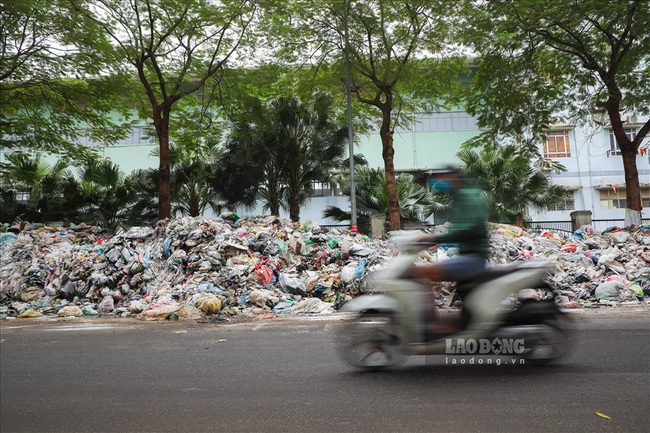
<point>312,305</point>
<point>138,306</point>
<point>70,311</point>
<point>158,311</point>
<point>31,294</point>
<point>188,312</point>
<point>348,272</point>
<point>29,313</point>
<point>360,251</point>
<point>6,239</point>
<point>611,291</point>
<point>208,304</point>
<point>107,305</point>
<point>87,311</point>
<point>636,289</point>
<point>265,274</point>
<point>292,285</point>
<point>360,269</point>
<point>260,297</point>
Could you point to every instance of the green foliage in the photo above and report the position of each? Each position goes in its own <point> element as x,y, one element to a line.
<point>46,100</point>
<point>107,195</point>
<point>510,181</point>
<point>101,194</point>
<point>175,48</point>
<point>251,163</point>
<point>399,55</point>
<point>144,209</point>
<point>574,59</point>
<point>397,50</point>
<point>195,188</point>
<point>534,53</point>
<point>195,131</point>
<point>277,149</point>
<point>372,197</point>
<point>539,58</point>
<point>34,190</point>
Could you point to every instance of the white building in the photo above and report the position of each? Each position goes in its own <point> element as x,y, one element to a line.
<point>594,179</point>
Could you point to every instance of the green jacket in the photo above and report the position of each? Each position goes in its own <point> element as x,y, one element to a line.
<point>468,222</point>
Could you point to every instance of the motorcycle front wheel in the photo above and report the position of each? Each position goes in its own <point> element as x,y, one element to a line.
<point>371,341</point>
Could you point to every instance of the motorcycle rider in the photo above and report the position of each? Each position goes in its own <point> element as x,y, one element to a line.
<point>468,229</point>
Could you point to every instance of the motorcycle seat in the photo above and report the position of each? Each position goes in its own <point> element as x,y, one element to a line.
<point>464,286</point>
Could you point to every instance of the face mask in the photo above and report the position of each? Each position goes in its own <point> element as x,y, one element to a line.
<point>444,186</point>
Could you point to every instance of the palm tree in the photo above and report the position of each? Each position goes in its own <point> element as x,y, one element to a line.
<point>372,197</point>
<point>193,188</point>
<point>250,167</point>
<point>108,195</point>
<point>42,187</point>
<point>512,183</point>
<point>102,194</point>
<point>276,150</point>
<point>144,208</point>
<point>312,142</point>
<point>194,184</point>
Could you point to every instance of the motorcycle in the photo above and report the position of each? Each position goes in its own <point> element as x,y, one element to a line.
<point>394,323</point>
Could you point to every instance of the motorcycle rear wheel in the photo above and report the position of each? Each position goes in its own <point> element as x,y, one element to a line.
<point>550,346</point>
<point>371,341</point>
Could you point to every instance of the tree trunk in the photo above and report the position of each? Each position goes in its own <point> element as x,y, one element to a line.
<point>632,188</point>
<point>161,123</point>
<point>519,220</point>
<point>272,196</point>
<point>629,150</point>
<point>389,167</point>
<point>195,200</point>
<point>294,207</point>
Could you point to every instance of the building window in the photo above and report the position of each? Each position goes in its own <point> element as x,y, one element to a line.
<point>321,189</point>
<point>613,145</point>
<point>569,203</point>
<point>137,136</point>
<point>556,144</point>
<point>610,199</point>
<point>448,121</point>
<point>23,196</point>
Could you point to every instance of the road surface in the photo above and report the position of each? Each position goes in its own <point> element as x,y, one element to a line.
<point>284,375</point>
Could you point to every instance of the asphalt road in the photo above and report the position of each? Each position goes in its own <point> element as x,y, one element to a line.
<point>281,375</point>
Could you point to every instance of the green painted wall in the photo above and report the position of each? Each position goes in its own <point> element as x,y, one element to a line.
<point>420,150</point>
<point>130,158</point>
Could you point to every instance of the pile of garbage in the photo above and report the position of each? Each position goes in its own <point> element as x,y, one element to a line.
<point>591,268</point>
<point>184,268</point>
<point>215,269</point>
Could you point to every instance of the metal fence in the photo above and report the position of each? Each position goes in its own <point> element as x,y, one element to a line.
<point>560,226</point>
<point>335,226</point>
<point>566,226</point>
<point>602,225</point>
